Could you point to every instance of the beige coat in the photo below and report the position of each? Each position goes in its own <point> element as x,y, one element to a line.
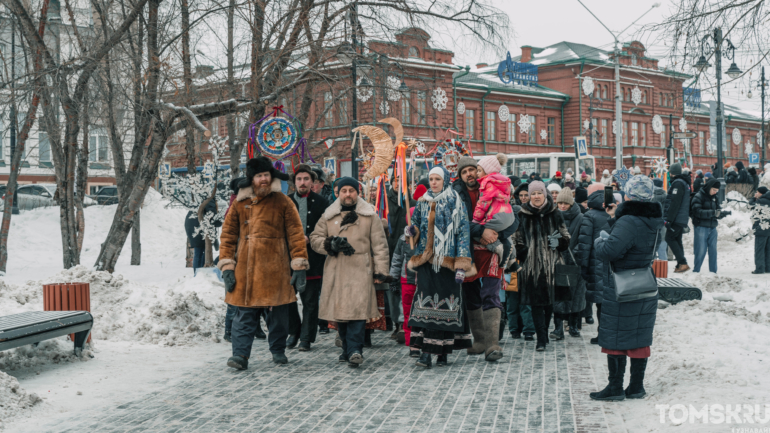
<point>348,281</point>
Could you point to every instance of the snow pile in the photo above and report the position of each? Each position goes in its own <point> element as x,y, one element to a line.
<point>55,351</point>
<point>716,283</point>
<point>13,398</point>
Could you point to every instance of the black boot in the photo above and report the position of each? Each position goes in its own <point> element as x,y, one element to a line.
<point>292,341</point>
<point>614,390</point>
<point>636,386</point>
<point>425,360</point>
<point>441,360</point>
<point>574,321</point>
<point>368,338</point>
<point>558,331</point>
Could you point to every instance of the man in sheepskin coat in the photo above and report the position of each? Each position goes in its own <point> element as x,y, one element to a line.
<point>262,240</point>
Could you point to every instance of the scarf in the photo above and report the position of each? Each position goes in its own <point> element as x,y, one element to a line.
<point>447,224</point>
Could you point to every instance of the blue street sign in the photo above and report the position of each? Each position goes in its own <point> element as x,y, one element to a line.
<point>753,158</point>
<point>331,164</point>
<point>581,148</point>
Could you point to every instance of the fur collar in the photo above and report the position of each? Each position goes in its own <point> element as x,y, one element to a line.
<point>248,192</point>
<point>639,208</point>
<point>362,209</point>
<point>527,209</point>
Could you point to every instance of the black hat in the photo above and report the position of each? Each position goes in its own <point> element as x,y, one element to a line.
<point>320,175</point>
<point>237,183</point>
<point>347,181</point>
<point>658,182</point>
<point>581,194</point>
<point>762,190</point>
<point>711,183</point>
<point>261,164</point>
<point>304,168</point>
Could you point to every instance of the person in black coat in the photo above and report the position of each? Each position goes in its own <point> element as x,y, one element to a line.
<point>311,207</point>
<point>760,213</point>
<point>676,214</point>
<point>571,310</point>
<point>698,182</point>
<point>197,243</point>
<point>754,178</point>
<point>731,176</point>
<point>705,212</point>
<point>626,328</point>
<point>396,215</point>
<point>594,221</point>
<point>743,175</point>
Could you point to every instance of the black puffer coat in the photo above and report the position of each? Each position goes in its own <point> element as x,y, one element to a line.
<point>704,206</point>
<point>677,205</point>
<point>538,261</point>
<point>631,245</point>
<point>573,218</point>
<point>594,221</point>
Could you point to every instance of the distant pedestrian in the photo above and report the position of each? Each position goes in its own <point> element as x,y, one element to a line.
<point>677,215</point>
<point>760,214</point>
<point>705,213</point>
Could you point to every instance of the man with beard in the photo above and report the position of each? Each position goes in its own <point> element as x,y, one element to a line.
<point>482,297</point>
<point>351,234</point>
<point>262,239</point>
<point>311,207</point>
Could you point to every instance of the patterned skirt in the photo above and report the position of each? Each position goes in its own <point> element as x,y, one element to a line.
<point>376,323</point>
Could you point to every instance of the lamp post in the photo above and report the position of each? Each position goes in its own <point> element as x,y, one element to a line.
<point>761,85</point>
<point>618,103</point>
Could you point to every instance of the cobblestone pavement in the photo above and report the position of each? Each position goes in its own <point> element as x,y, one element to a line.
<point>526,391</point>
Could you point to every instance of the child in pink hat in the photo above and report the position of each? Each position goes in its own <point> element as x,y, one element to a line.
<point>493,209</point>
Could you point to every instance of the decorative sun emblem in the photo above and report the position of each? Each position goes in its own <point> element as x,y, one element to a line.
<point>737,136</point>
<point>461,108</point>
<point>636,95</point>
<point>363,93</point>
<point>543,134</point>
<point>391,89</point>
<point>660,165</point>
<point>657,124</point>
<point>420,146</point>
<point>503,113</point>
<point>682,125</point>
<point>384,108</point>
<point>439,99</point>
<point>588,86</point>
<point>586,124</point>
<point>524,124</point>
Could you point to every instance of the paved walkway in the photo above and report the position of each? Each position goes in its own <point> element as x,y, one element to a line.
<point>526,391</point>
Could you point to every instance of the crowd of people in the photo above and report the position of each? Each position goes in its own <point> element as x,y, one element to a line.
<point>457,262</point>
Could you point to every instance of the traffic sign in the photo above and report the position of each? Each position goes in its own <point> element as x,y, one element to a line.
<point>684,135</point>
<point>164,171</point>
<point>581,148</point>
<point>754,159</point>
<point>208,170</point>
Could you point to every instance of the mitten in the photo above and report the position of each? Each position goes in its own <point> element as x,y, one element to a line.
<point>459,276</point>
<point>229,277</point>
<point>553,240</point>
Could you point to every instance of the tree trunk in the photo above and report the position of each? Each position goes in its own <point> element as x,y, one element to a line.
<point>236,145</point>
<point>187,75</point>
<point>136,241</point>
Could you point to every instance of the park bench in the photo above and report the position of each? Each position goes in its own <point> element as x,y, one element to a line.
<point>35,326</point>
<point>674,290</point>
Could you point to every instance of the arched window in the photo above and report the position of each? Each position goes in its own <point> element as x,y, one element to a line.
<point>660,99</point>
<point>644,97</point>
<point>604,92</point>
<point>413,52</point>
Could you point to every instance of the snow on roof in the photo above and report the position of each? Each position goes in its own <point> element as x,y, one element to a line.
<point>492,82</point>
<point>730,111</point>
<point>546,52</point>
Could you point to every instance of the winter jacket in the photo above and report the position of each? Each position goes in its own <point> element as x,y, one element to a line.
<point>594,221</point>
<point>677,205</point>
<point>731,177</point>
<point>537,279</point>
<point>754,177</point>
<point>494,197</point>
<point>348,291</point>
<point>606,181</point>
<point>328,194</point>
<point>704,206</point>
<point>401,256</point>
<point>191,223</point>
<point>697,184</point>
<point>585,184</point>
<point>743,175</point>
<point>262,240</point>
<point>316,205</point>
<point>659,197</point>
<point>573,218</point>
<point>396,218</point>
<point>476,230</point>
<point>556,181</point>
<point>631,245</point>
<point>760,213</point>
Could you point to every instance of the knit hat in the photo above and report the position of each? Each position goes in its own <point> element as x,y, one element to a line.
<point>558,174</point>
<point>658,182</point>
<point>675,169</point>
<point>639,188</point>
<point>553,187</point>
<point>739,165</point>
<point>637,170</point>
<point>565,196</point>
<point>261,164</point>
<point>581,195</point>
<point>569,170</point>
<point>708,175</point>
<point>465,161</point>
<point>607,172</point>
<point>493,163</point>
<point>304,168</point>
<point>584,175</point>
<point>727,165</point>
<point>699,172</point>
<point>711,183</point>
<point>762,190</point>
<point>436,170</point>
<point>536,185</point>
<point>347,181</point>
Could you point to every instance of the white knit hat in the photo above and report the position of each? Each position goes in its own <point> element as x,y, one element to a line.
<point>554,187</point>
<point>493,163</point>
<point>437,170</point>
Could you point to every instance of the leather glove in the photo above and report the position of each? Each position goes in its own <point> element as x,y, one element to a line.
<point>299,280</point>
<point>724,213</point>
<point>553,240</point>
<point>229,277</point>
<point>395,287</point>
<point>410,231</point>
<point>459,276</point>
<point>344,247</point>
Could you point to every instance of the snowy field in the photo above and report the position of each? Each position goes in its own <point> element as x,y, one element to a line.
<point>155,320</point>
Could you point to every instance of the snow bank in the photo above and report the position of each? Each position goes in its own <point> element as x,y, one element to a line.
<point>14,399</point>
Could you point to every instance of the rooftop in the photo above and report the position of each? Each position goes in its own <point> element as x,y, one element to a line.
<point>492,82</point>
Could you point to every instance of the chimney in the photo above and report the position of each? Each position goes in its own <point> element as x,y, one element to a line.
<point>526,53</point>
<point>481,65</point>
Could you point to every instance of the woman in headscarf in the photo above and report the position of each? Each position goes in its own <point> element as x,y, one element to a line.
<point>442,258</point>
<point>541,238</point>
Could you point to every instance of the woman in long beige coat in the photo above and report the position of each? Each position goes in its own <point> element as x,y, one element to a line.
<point>351,235</point>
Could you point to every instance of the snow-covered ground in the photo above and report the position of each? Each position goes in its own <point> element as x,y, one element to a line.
<point>155,320</point>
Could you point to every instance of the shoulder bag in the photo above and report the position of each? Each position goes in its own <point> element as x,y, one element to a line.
<point>567,275</point>
<point>635,284</point>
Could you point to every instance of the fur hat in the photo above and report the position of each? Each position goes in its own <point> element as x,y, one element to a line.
<point>565,196</point>
<point>606,173</point>
<point>238,183</point>
<point>465,161</point>
<point>553,187</point>
<point>639,188</point>
<point>637,170</point>
<point>261,164</point>
<point>319,174</point>
<point>493,164</point>
<point>675,169</point>
<point>304,168</point>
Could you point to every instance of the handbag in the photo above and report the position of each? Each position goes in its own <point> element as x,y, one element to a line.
<point>567,275</point>
<point>513,286</point>
<point>635,284</point>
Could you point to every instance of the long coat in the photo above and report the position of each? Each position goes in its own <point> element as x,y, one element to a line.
<point>316,205</point>
<point>632,241</point>
<point>573,218</point>
<point>348,291</point>
<point>262,240</point>
<point>591,268</point>
<point>396,218</point>
<point>537,277</point>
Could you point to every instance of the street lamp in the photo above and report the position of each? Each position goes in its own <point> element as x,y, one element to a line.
<point>761,84</point>
<point>618,103</point>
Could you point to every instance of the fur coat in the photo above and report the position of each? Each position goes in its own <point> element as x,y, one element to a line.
<point>262,241</point>
<point>537,277</point>
<point>348,291</point>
